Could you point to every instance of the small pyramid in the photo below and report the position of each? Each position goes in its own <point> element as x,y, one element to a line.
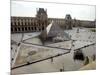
<point>54,32</point>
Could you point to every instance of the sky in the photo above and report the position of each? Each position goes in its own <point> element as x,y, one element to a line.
<point>54,10</point>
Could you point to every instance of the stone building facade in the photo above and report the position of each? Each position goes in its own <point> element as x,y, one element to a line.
<point>40,22</point>
<point>34,24</point>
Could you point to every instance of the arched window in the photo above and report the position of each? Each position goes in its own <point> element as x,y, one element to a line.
<point>32,28</point>
<point>22,21</point>
<point>15,29</point>
<point>25,23</point>
<point>22,29</point>
<point>28,28</point>
<point>35,28</point>
<point>18,23</point>
<point>25,28</point>
<point>29,23</point>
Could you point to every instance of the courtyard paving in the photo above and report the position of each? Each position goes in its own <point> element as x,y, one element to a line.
<point>85,37</point>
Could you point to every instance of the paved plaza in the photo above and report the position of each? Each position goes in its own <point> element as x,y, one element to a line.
<point>27,48</point>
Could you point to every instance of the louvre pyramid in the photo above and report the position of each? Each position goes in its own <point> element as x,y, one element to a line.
<point>53,31</point>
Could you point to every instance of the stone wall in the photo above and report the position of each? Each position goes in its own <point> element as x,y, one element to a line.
<point>30,24</point>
